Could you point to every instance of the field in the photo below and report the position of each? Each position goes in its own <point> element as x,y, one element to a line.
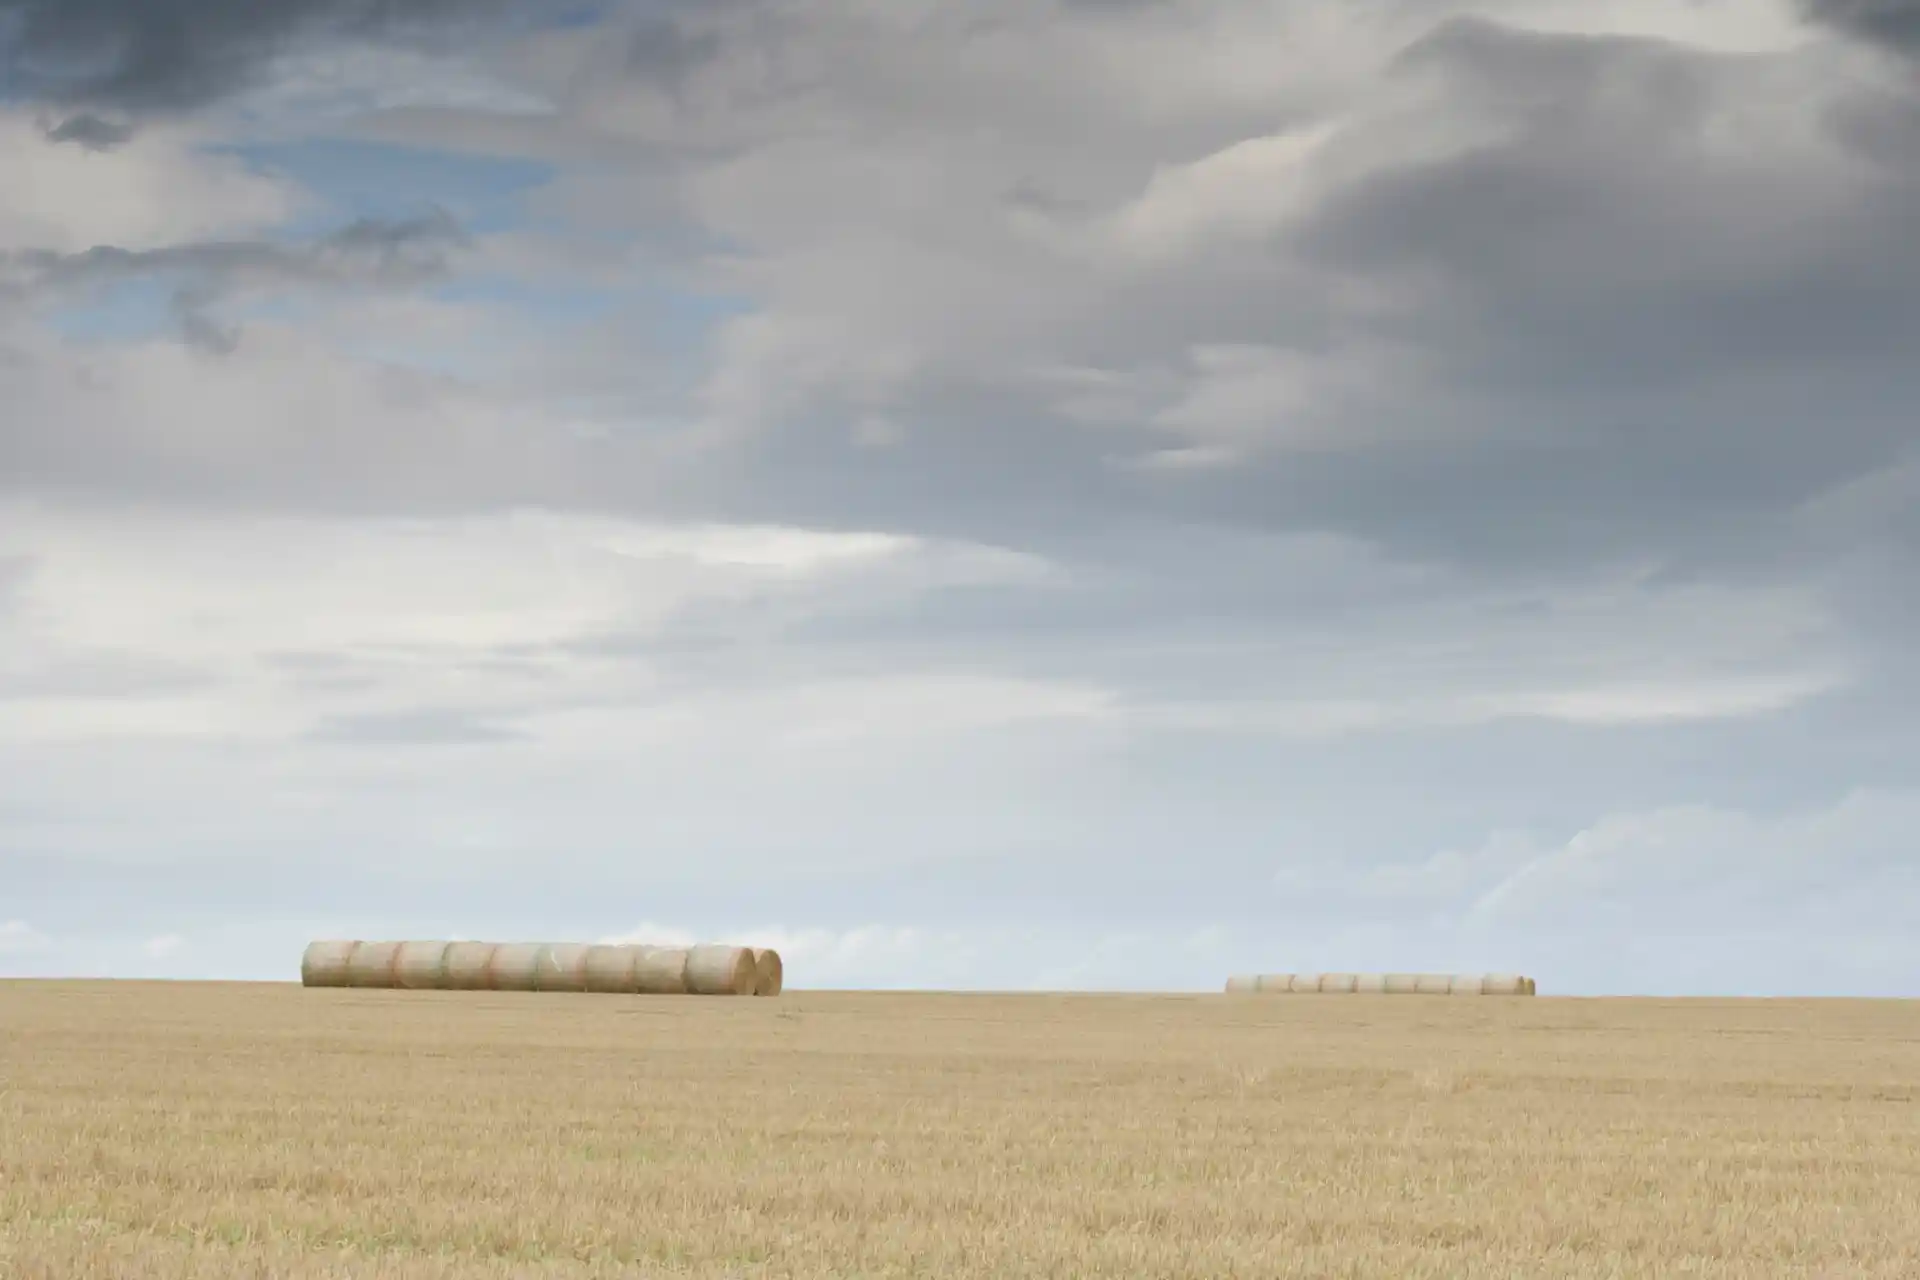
<point>160,1130</point>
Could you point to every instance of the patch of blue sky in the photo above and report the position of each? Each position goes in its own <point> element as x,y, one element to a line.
<point>552,306</point>
<point>352,178</point>
<point>130,310</point>
<point>539,305</point>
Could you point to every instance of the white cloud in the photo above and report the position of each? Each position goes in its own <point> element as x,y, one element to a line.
<point>1243,394</point>
<point>18,937</point>
<point>1726,26</point>
<point>1226,200</point>
<point>1707,863</point>
<point>1709,869</point>
<point>271,622</point>
<point>159,188</point>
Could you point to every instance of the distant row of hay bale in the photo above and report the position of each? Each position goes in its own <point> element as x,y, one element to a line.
<point>1390,984</point>
<point>620,969</point>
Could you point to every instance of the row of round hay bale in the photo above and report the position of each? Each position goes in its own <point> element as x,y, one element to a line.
<point>628,969</point>
<point>1392,984</point>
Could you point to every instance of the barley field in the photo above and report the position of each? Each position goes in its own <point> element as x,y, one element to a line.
<point>210,1130</point>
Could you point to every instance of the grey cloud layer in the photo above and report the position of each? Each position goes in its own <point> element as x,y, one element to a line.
<point>145,55</point>
<point>406,251</point>
<point>1895,23</point>
<point>1466,294</point>
<point>1425,424</point>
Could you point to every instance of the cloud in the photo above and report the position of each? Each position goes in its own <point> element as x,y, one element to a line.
<point>1892,23</point>
<point>155,189</point>
<point>289,420</point>
<point>154,55</point>
<point>412,728</point>
<point>1046,461</point>
<point>1689,863</point>
<point>1693,868</point>
<point>18,937</point>
<point>87,130</point>
<point>367,250</point>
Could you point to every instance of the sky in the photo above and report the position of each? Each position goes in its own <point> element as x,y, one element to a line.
<point>1068,494</point>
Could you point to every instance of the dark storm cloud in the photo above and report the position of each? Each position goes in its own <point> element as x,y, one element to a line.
<point>1608,372</point>
<point>90,131</point>
<point>1651,390</point>
<point>1892,23</point>
<point>144,55</point>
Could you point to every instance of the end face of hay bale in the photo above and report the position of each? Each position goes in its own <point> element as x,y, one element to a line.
<point>326,963</point>
<point>660,971</point>
<point>770,975</point>
<point>721,971</point>
<point>371,965</point>
<point>420,966</point>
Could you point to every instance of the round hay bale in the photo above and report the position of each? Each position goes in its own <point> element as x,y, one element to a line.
<point>515,966</point>
<point>325,964</point>
<point>1466,984</point>
<point>421,966</point>
<point>1339,983</point>
<point>1433,984</point>
<point>770,975</point>
<point>721,971</point>
<point>1274,983</point>
<point>609,969</point>
<point>1243,986</point>
<point>563,967</point>
<point>1401,984</point>
<point>371,964</point>
<point>1370,984</point>
<point>1503,984</point>
<point>467,964</point>
<point>1304,984</point>
<point>1531,989</point>
<point>660,971</point>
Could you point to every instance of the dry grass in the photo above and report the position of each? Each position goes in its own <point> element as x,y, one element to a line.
<point>198,1131</point>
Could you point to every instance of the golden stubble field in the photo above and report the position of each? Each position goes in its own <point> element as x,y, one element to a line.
<point>159,1130</point>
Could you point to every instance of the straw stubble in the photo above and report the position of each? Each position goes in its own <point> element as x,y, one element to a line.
<point>190,1132</point>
